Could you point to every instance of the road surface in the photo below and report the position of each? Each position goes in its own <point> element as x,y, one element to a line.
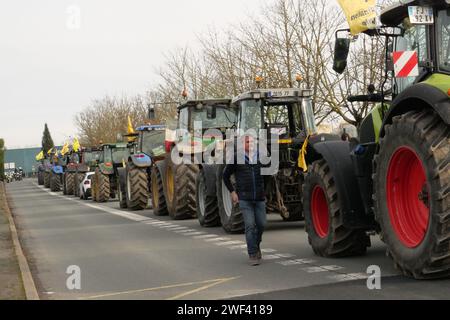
<point>129,255</point>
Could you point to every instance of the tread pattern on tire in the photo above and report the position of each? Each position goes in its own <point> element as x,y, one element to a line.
<point>183,205</point>
<point>433,136</point>
<point>55,182</point>
<point>161,208</point>
<point>70,184</point>
<point>210,217</point>
<point>47,180</point>
<point>104,187</point>
<point>341,241</point>
<point>138,199</point>
<point>235,223</point>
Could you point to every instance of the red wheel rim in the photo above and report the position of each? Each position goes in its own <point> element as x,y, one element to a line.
<point>320,213</point>
<point>408,197</point>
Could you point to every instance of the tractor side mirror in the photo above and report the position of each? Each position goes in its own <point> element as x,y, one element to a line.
<point>211,112</point>
<point>151,113</point>
<point>341,50</point>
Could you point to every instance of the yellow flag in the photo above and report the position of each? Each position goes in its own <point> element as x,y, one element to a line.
<point>361,14</point>
<point>76,145</point>
<point>130,130</point>
<point>40,156</point>
<point>50,151</point>
<point>65,149</point>
<point>302,156</point>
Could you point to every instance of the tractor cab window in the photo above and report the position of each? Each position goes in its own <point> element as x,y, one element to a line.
<point>89,157</point>
<point>106,155</point>
<point>153,142</point>
<point>184,118</point>
<point>250,116</point>
<point>225,118</point>
<point>415,39</point>
<point>443,30</point>
<point>119,155</point>
<point>277,120</point>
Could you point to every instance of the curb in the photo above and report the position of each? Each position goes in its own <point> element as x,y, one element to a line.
<point>31,292</point>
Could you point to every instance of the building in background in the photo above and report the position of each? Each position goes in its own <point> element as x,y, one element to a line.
<point>22,158</point>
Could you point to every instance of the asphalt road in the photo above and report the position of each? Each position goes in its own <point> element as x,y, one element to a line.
<point>126,255</point>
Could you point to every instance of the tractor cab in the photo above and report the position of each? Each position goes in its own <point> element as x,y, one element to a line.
<point>114,154</point>
<point>151,140</point>
<point>287,113</point>
<point>196,117</point>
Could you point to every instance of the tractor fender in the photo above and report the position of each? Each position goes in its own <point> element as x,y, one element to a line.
<point>337,156</point>
<point>58,169</point>
<point>210,172</point>
<point>416,97</point>
<point>107,170</point>
<point>141,160</point>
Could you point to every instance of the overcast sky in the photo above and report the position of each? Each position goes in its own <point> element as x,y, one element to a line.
<point>57,55</point>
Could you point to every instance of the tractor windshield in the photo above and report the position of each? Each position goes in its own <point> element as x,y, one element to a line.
<point>443,32</point>
<point>282,118</point>
<point>119,155</point>
<point>225,118</point>
<point>89,157</point>
<point>152,143</point>
<point>415,39</point>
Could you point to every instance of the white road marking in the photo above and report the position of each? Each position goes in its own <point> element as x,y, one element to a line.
<point>228,243</point>
<point>217,239</point>
<point>190,234</point>
<point>322,269</point>
<point>184,231</point>
<point>178,228</point>
<point>206,236</point>
<point>238,247</point>
<point>296,262</point>
<point>349,277</point>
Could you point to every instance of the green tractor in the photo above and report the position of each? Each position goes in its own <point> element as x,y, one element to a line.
<point>88,161</point>
<point>394,180</point>
<point>288,115</point>
<point>174,185</point>
<point>135,178</point>
<point>105,182</point>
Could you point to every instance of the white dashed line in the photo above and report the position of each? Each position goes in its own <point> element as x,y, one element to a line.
<point>217,239</point>
<point>322,269</point>
<point>190,234</point>
<point>228,243</point>
<point>238,247</point>
<point>349,277</point>
<point>206,236</point>
<point>296,262</point>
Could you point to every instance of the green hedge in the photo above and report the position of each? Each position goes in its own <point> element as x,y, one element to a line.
<point>2,158</point>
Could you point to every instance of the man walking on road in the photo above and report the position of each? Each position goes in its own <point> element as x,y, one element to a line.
<point>250,196</point>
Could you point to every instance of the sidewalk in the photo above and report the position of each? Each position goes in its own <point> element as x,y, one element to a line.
<point>11,287</point>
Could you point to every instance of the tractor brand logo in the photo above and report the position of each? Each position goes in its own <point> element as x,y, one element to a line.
<point>406,64</point>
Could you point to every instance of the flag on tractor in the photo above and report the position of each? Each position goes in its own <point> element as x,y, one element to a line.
<point>302,156</point>
<point>76,145</point>
<point>65,149</point>
<point>130,130</point>
<point>361,14</point>
<point>40,156</point>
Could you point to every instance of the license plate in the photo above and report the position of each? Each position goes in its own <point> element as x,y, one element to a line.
<point>421,15</point>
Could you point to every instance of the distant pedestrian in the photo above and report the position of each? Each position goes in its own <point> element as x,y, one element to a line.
<point>249,194</point>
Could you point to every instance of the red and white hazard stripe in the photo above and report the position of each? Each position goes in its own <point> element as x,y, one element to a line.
<point>406,64</point>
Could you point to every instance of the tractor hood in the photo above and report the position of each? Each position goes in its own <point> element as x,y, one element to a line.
<point>394,15</point>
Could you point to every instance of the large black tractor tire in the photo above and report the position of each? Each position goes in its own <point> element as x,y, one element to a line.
<point>76,184</point>
<point>327,235</point>
<point>121,188</point>
<point>412,194</point>
<point>158,196</point>
<point>55,182</point>
<point>103,187</point>
<point>47,180</point>
<point>180,190</point>
<point>40,178</point>
<point>230,215</point>
<point>207,208</point>
<point>70,184</point>
<point>64,185</point>
<point>137,194</point>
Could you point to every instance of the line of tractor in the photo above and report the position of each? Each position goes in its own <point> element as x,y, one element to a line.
<point>394,179</point>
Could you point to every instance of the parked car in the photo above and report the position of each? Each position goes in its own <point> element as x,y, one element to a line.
<point>85,186</point>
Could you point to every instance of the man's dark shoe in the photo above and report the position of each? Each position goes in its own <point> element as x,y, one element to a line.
<point>255,261</point>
